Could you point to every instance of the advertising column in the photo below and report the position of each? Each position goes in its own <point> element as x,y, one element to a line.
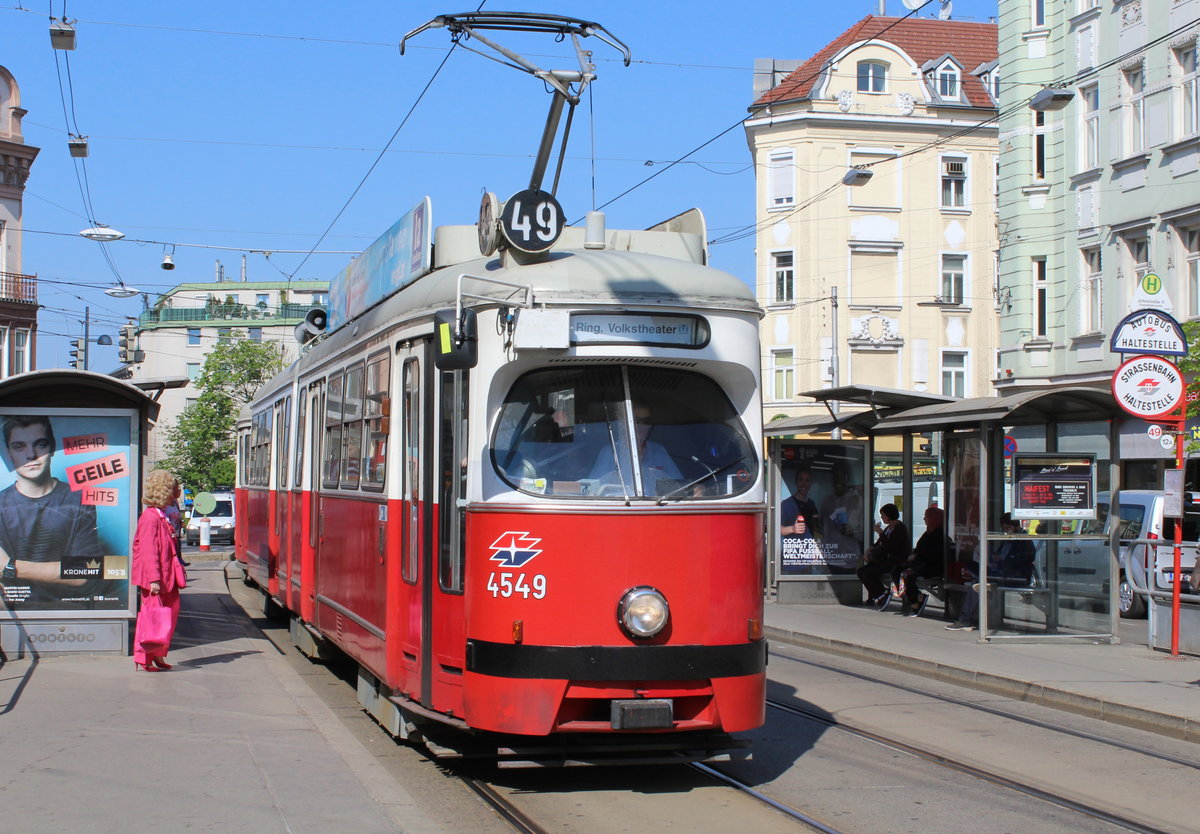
<point>68,489</point>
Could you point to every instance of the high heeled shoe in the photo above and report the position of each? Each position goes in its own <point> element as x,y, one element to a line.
<point>162,664</point>
<point>147,667</point>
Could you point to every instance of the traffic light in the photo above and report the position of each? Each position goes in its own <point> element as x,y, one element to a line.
<point>78,353</point>
<point>125,345</point>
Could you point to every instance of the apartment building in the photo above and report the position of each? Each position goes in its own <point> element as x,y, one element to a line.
<point>18,291</point>
<point>1097,195</point>
<point>173,337</point>
<point>886,280</point>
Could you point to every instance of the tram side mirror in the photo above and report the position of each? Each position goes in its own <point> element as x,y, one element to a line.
<point>451,352</point>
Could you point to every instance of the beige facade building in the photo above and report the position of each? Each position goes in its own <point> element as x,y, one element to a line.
<point>172,339</point>
<point>18,291</point>
<point>890,282</point>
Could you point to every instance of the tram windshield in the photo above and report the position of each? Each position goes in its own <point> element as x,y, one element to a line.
<point>622,432</point>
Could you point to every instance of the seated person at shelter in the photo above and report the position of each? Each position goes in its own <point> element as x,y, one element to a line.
<point>927,560</point>
<point>886,555</point>
<point>1010,564</point>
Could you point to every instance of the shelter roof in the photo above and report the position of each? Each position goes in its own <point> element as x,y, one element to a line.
<point>1061,405</point>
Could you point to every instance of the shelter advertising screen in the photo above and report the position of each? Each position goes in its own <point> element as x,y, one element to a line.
<point>1054,486</point>
<point>822,514</point>
<point>68,485</point>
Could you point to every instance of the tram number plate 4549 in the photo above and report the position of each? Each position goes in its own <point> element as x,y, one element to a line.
<point>505,584</point>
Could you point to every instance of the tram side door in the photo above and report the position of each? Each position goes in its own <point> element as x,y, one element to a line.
<point>311,508</point>
<point>443,644</point>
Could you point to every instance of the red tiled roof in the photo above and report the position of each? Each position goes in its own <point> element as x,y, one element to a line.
<point>923,39</point>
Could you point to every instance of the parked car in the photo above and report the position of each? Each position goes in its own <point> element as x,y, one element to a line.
<point>1142,517</point>
<point>221,520</point>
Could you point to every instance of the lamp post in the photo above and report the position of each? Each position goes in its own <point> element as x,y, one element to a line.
<point>82,345</point>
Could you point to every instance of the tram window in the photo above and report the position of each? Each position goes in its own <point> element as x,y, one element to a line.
<point>352,428</point>
<point>301,419</point>
<point>375,409</point>
<point>283,415</point>
<point>333,432</point>
<point>258,472</point>
<point>412,470</point>
<point>622,432</point>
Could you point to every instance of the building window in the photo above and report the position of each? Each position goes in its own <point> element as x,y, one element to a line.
<point>261,300</point>
<point>1041,299</point>
<point>872,77</point>
<point>953,272</point>
<point>193,370</point>
<point>783,374</point>
<point>3,351</point>
<point>320,299</point>
<point>254,334</point>
<point>190,401</point>
<point>1039,145</point>
<point>1038,11</point>
<point>954,373</point>
<point>1089,134</point>
<point>193,336</point>
<point>1137,251</point>
<point>1189,90</point>
<point>20,354</point>
<point>1092,268</point>
<point>954,183</point>
<point>1085,209</point>
<point>783,188</point>
<point>223,335</point>
<point>947,82</point>
<point>782,268</point>
<point>1135,90</point>
<point>1191,242</point>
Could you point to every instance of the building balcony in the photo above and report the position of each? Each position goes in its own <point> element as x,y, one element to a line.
<point>223,315</point>
<point>18,288</point>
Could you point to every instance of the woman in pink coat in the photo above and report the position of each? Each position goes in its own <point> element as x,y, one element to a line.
<point>157,574</point>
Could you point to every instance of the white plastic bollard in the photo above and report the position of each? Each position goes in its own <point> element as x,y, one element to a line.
<point>205,533</point>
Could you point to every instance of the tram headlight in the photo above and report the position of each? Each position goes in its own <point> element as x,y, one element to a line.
<point>643,612</point>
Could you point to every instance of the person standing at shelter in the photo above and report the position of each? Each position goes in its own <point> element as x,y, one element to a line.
<point>43,522</point>
<point>888,552</point>
<point>157,573</point>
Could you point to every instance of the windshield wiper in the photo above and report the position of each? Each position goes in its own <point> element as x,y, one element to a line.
<point>711,473</point>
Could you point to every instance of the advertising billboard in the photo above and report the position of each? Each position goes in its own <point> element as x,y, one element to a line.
<point>822,515</point>
<point>68,499</point>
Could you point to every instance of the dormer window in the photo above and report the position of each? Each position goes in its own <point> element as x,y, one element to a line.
<point>872,77</point>
<point>947,82</point>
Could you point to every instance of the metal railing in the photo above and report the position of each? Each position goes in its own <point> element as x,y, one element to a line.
<point>17,287</point>
<point>217,313</point>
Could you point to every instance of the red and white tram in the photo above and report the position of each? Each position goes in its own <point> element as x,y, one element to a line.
<point>524,492</point>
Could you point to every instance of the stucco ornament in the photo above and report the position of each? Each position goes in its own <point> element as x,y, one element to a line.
<point>845,99</point>
<point>906,103</point>
<point>1131,13</point>
<point>875,329</point>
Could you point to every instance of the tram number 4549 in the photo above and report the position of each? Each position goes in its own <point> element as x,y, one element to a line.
<point>503,585</point>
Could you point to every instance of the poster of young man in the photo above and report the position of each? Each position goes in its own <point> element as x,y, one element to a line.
<point>821,514</point>
<point>66,487</point>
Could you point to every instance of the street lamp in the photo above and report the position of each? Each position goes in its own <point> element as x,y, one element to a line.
<point>121,290</point>
<point>1051,98</point>
<point>102,234</point>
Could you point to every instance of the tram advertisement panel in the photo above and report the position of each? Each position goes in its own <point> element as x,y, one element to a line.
<point>821,508</point>
<point>68,489</point>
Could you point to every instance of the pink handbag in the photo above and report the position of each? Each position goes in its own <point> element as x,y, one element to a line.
<point>154,626</point>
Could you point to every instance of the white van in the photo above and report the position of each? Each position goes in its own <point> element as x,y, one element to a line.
<point>221,521</point>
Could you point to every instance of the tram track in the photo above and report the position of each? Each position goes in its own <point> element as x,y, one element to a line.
<point>1007,715</point>
<point>992,777</point>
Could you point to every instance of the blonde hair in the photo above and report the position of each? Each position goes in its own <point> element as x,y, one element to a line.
<point>160,488</point>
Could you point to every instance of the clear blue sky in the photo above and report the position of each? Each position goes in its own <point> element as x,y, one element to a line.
<point>249,126</point>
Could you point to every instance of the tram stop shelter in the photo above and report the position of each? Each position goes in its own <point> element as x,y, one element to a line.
<point>1047,458</point>
<point>70,484</point>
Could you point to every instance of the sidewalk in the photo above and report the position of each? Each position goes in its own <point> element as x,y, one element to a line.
<point>229,740</point>
<point>1126,683</point>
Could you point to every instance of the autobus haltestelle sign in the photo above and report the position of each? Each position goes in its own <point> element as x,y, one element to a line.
<point>1148,386</point>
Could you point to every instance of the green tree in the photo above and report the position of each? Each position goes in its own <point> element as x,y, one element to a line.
<point>200,447</point>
